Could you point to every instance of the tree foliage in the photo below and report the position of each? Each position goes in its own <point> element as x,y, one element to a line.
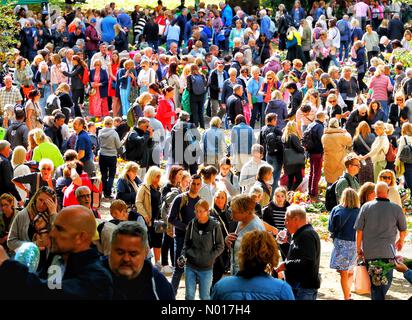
<point>9,35</point>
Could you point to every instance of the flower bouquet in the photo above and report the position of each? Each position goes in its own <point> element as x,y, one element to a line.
<point>299,198</point>
<point>378,270</point>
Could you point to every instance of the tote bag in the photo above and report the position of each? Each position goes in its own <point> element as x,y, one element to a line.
<point>362,282</point>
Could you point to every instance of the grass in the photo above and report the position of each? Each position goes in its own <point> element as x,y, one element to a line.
<point>128,5</point>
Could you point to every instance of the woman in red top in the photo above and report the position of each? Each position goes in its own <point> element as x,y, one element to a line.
<point>270,84</point>
<point>161,22</point>
<point>79,178</point>
<point>166,112</point>
<point>114,66</point>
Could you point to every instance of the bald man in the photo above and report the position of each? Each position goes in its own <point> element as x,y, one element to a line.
<point>74,269</point>
<point>376,227</point>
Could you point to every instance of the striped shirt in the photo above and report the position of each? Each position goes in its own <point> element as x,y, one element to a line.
<point>380,85</point>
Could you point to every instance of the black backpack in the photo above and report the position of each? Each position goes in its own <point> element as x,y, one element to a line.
<point>274,143</point>
<point>330,196</point>
<point>132,153</point>
<point>307,139</point>
<point>198,85</point>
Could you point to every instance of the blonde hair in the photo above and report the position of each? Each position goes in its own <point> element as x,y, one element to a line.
<point>144,99</point>
<point>215,122</point>
<point>243,203</point>
<point>307,97</point>
<point>151,174</point>
<point>393,178</point>
<point>202,203</point>
<point>128,62</point>
<point>108,121</point>
<point>350,199</point>
<point>19,155</point>
<point>289,130</point>
<point>277,95</point>
<point>63,87</point>
<point>56,59</point>
<point>117,28</point>
<point>39,136</point>
<point>129,166</point>
<point>271,73</point>
<point>406,129</point>
<point>97,61</point>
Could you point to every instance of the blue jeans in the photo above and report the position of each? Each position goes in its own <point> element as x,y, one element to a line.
<point>178,272</point>
<point>408,175</point>
<point>344,45</point>
<point>277,169</point>
<point>43,100</point>
<point>385,108</point>
<point>305,294</point>
<point>204,278</point>
<point>379,292</point>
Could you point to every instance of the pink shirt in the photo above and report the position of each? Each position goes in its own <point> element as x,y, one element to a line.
<point>380,86</point>
<point>361,9</point>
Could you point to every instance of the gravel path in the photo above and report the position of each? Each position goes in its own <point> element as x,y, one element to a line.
<point>330,287</point>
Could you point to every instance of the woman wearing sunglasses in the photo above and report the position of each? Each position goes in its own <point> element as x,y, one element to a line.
<point>388,176</point>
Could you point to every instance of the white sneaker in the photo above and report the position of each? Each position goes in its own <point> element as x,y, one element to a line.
<point>167,269</point>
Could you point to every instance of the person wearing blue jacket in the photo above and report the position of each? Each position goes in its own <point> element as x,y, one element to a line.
<point>345,33</point>
<point>407,273</point>
<point>227,14</point>
<point>297,13</point>
<point>341,224</point>
<point>134,278</point>
<point>124,20</point>
<point>252,282</point>
<point>107,27</point>
<point>265,24</point>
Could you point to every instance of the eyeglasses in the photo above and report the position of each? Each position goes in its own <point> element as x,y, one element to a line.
<point>356,165</point>
<point>46,169</point>
<point>332,101</point>
<point>386,177</point>
<point>270,78</point>
<point>400,99</point>
<point>84,195</point>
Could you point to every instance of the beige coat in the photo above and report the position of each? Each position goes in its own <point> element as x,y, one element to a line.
<point>144,203</point>
<point>336,143</point>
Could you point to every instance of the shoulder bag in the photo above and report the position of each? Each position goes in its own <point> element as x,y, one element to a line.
<point>406,153</point>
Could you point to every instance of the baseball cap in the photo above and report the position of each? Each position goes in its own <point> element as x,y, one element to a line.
<point>93,20</point>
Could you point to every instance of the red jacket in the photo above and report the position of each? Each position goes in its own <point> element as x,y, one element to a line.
<point>165,113</point>
<point>93,43</point>
<point>69,197</point>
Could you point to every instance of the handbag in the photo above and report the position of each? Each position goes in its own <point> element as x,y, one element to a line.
<point>186,101</point>
<point>376,49</point>
<point>160,226</point>
<point>362,282</point>
<point>293,158</point>
<point>406,153</point>
<point>92,92</point>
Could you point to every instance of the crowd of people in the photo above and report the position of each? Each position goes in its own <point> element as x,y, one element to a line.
<point>198,126</point>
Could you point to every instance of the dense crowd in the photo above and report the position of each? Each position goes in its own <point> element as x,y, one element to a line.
<point>200,126</point>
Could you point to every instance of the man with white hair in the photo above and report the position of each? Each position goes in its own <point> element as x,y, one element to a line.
<point>407,83</point>
<point>9,95</point>
<point>385,45</point>
<point>377,227</point>
<point>237,61</point>
<point>265,24</point>
<point>6,172</point>
<point>159,134</point>
<point>356,116</point>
